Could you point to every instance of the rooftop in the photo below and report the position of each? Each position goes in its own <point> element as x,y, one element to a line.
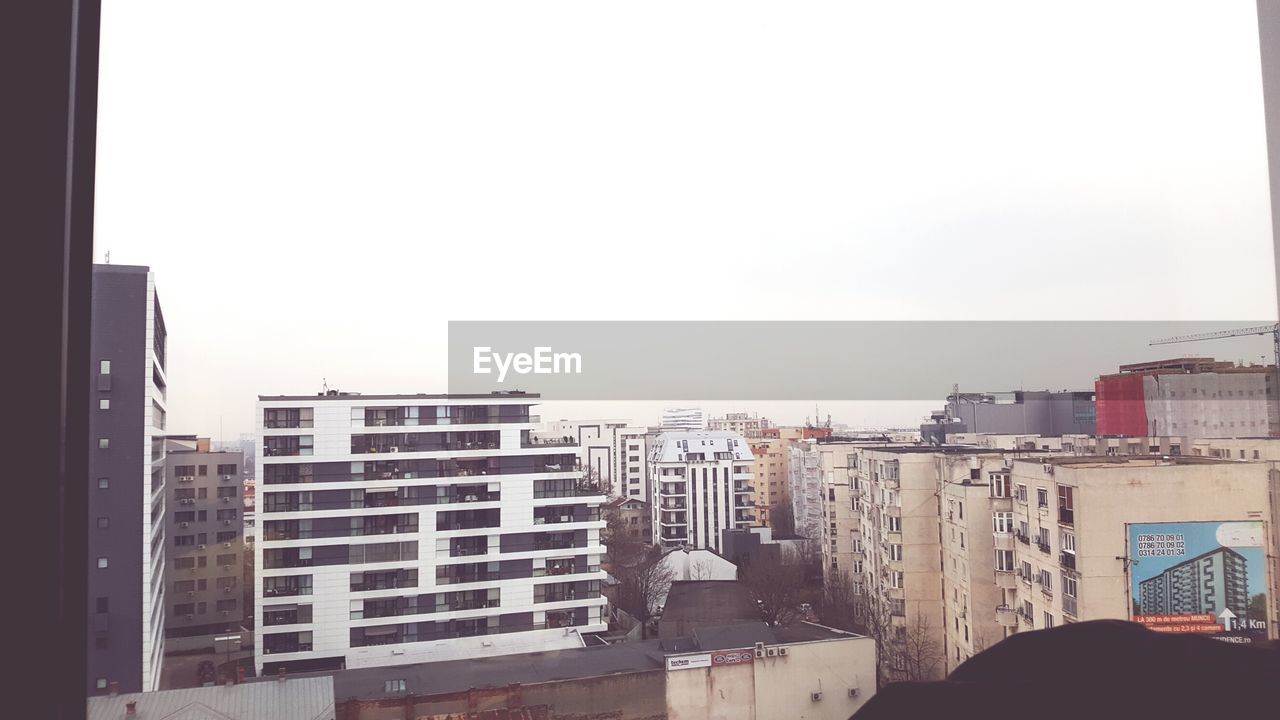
<point>344,395</point>
<point>309,698</point>
<point>1113,461</point>
<point>709,602</point>
<point>499,671</point>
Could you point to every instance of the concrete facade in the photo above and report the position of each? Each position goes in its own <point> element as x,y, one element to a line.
<point>769,466</point>
<point>1087,543</point>
<point>204,578</point>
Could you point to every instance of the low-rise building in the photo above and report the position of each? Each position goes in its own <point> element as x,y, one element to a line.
<point>309,698</point>
<point>635,518</point>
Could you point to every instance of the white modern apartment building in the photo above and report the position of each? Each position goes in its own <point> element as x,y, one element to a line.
<point>703,486</point>
<point>410,528</point>
<point>683,419</point>
<point>631,462</point>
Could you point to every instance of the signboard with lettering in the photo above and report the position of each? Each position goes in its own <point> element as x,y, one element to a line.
<point>688,662</point>
<point>1200,577</point>
<point>732,657</point>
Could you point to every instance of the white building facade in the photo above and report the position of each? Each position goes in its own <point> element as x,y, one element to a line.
<point>703,486</point>
<point>409,528</point>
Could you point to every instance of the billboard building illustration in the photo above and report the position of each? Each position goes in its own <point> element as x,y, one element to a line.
<point>1200,577</point>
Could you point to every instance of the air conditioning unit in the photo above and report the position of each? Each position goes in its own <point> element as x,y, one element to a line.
<point>771,652</point>
<point>227,589</point>
<point>191,593</point>
<point>200,547</point>
<point>226,567</point>
<point>225,613</point>
<point>815,696</point>
<point>853,692</point>
<point>759,649</point>
<point>226,522</point>
<point>226,499</point>
<point>226,544</point>
<point>782,651</point>
<point>185,524</point>
<point>190,617</point>
<point>226,477</point>
<point>394,448</point>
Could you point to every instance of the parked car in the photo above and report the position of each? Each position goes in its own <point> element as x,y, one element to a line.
<point>206,672</point>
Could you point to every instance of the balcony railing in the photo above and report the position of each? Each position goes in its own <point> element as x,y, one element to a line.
<point>1067,560</point>
<point>1069,605</point>
<point>548,442</point>
<point>1044,546</point>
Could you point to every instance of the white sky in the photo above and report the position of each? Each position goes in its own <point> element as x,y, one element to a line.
<point>320,186</point>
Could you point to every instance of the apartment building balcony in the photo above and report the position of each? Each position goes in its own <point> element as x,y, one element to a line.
<point>1067,560</point>
<point>672,534</point>
<point>742,517</point>
<point>1001,504</point>
<point>1069,606</point>
<point>673,503</point>
<point>1021,538</point>
<point>743,487</point>
<point>1006,616</point>
<point>673,519</point>
<point>1006,579</point>
<point>1003,541</point>
<point>535,442</point>
<point>673,489</point>
<point>743,502</point>
<point>893,511</point>
<point>1044,547</point>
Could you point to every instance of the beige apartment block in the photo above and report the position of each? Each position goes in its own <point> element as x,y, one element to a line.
<point>1072,555</point>
<point>842,549</point>
<point>898,495</point>
<point>972,537</point>
<point>770,472</point>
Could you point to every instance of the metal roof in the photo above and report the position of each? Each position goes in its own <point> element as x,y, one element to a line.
<point>308,698</point>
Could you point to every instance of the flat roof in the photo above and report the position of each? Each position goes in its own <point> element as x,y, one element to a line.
<point>515,394</point>
<point>433,678</point>
<point>1117,460</point>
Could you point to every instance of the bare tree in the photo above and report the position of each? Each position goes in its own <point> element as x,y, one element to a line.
<point>644,581</point>
<point>701,570</point>
<point>776,586</point>
<point>782,519</point>
<point>907,648</point>
<point>838,606</point>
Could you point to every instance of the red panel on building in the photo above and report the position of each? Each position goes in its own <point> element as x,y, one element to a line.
<point>1122,410</point>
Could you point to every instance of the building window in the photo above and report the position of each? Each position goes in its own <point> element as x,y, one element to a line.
<point>1042,497</point>
<point>393,686</point>
<point>104,404</point>
<point>1004,560</point>
<point>1002,522</point>
<point>103,483</point>
<point>101,683</point>
<point>104,367</point>
<point>1048,619</point>
<point>102,563</point>
<point>104,523</point>
<point>103,443</point>
<point>1020,494</point>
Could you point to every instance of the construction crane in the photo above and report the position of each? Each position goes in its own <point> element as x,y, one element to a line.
<point>1272,330</point>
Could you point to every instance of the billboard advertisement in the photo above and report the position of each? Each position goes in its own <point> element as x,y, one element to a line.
<point>1200,577</point>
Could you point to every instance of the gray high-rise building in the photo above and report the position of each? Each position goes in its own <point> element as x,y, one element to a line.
<point>127,481</point>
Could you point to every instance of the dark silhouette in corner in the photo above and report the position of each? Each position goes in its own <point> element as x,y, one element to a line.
<point>1094,670</point>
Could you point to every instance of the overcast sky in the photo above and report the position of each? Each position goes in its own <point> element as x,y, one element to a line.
<point>320,186</point>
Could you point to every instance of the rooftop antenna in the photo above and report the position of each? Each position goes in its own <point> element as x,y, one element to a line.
<point>108,257</point>
<point>325,385</point>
